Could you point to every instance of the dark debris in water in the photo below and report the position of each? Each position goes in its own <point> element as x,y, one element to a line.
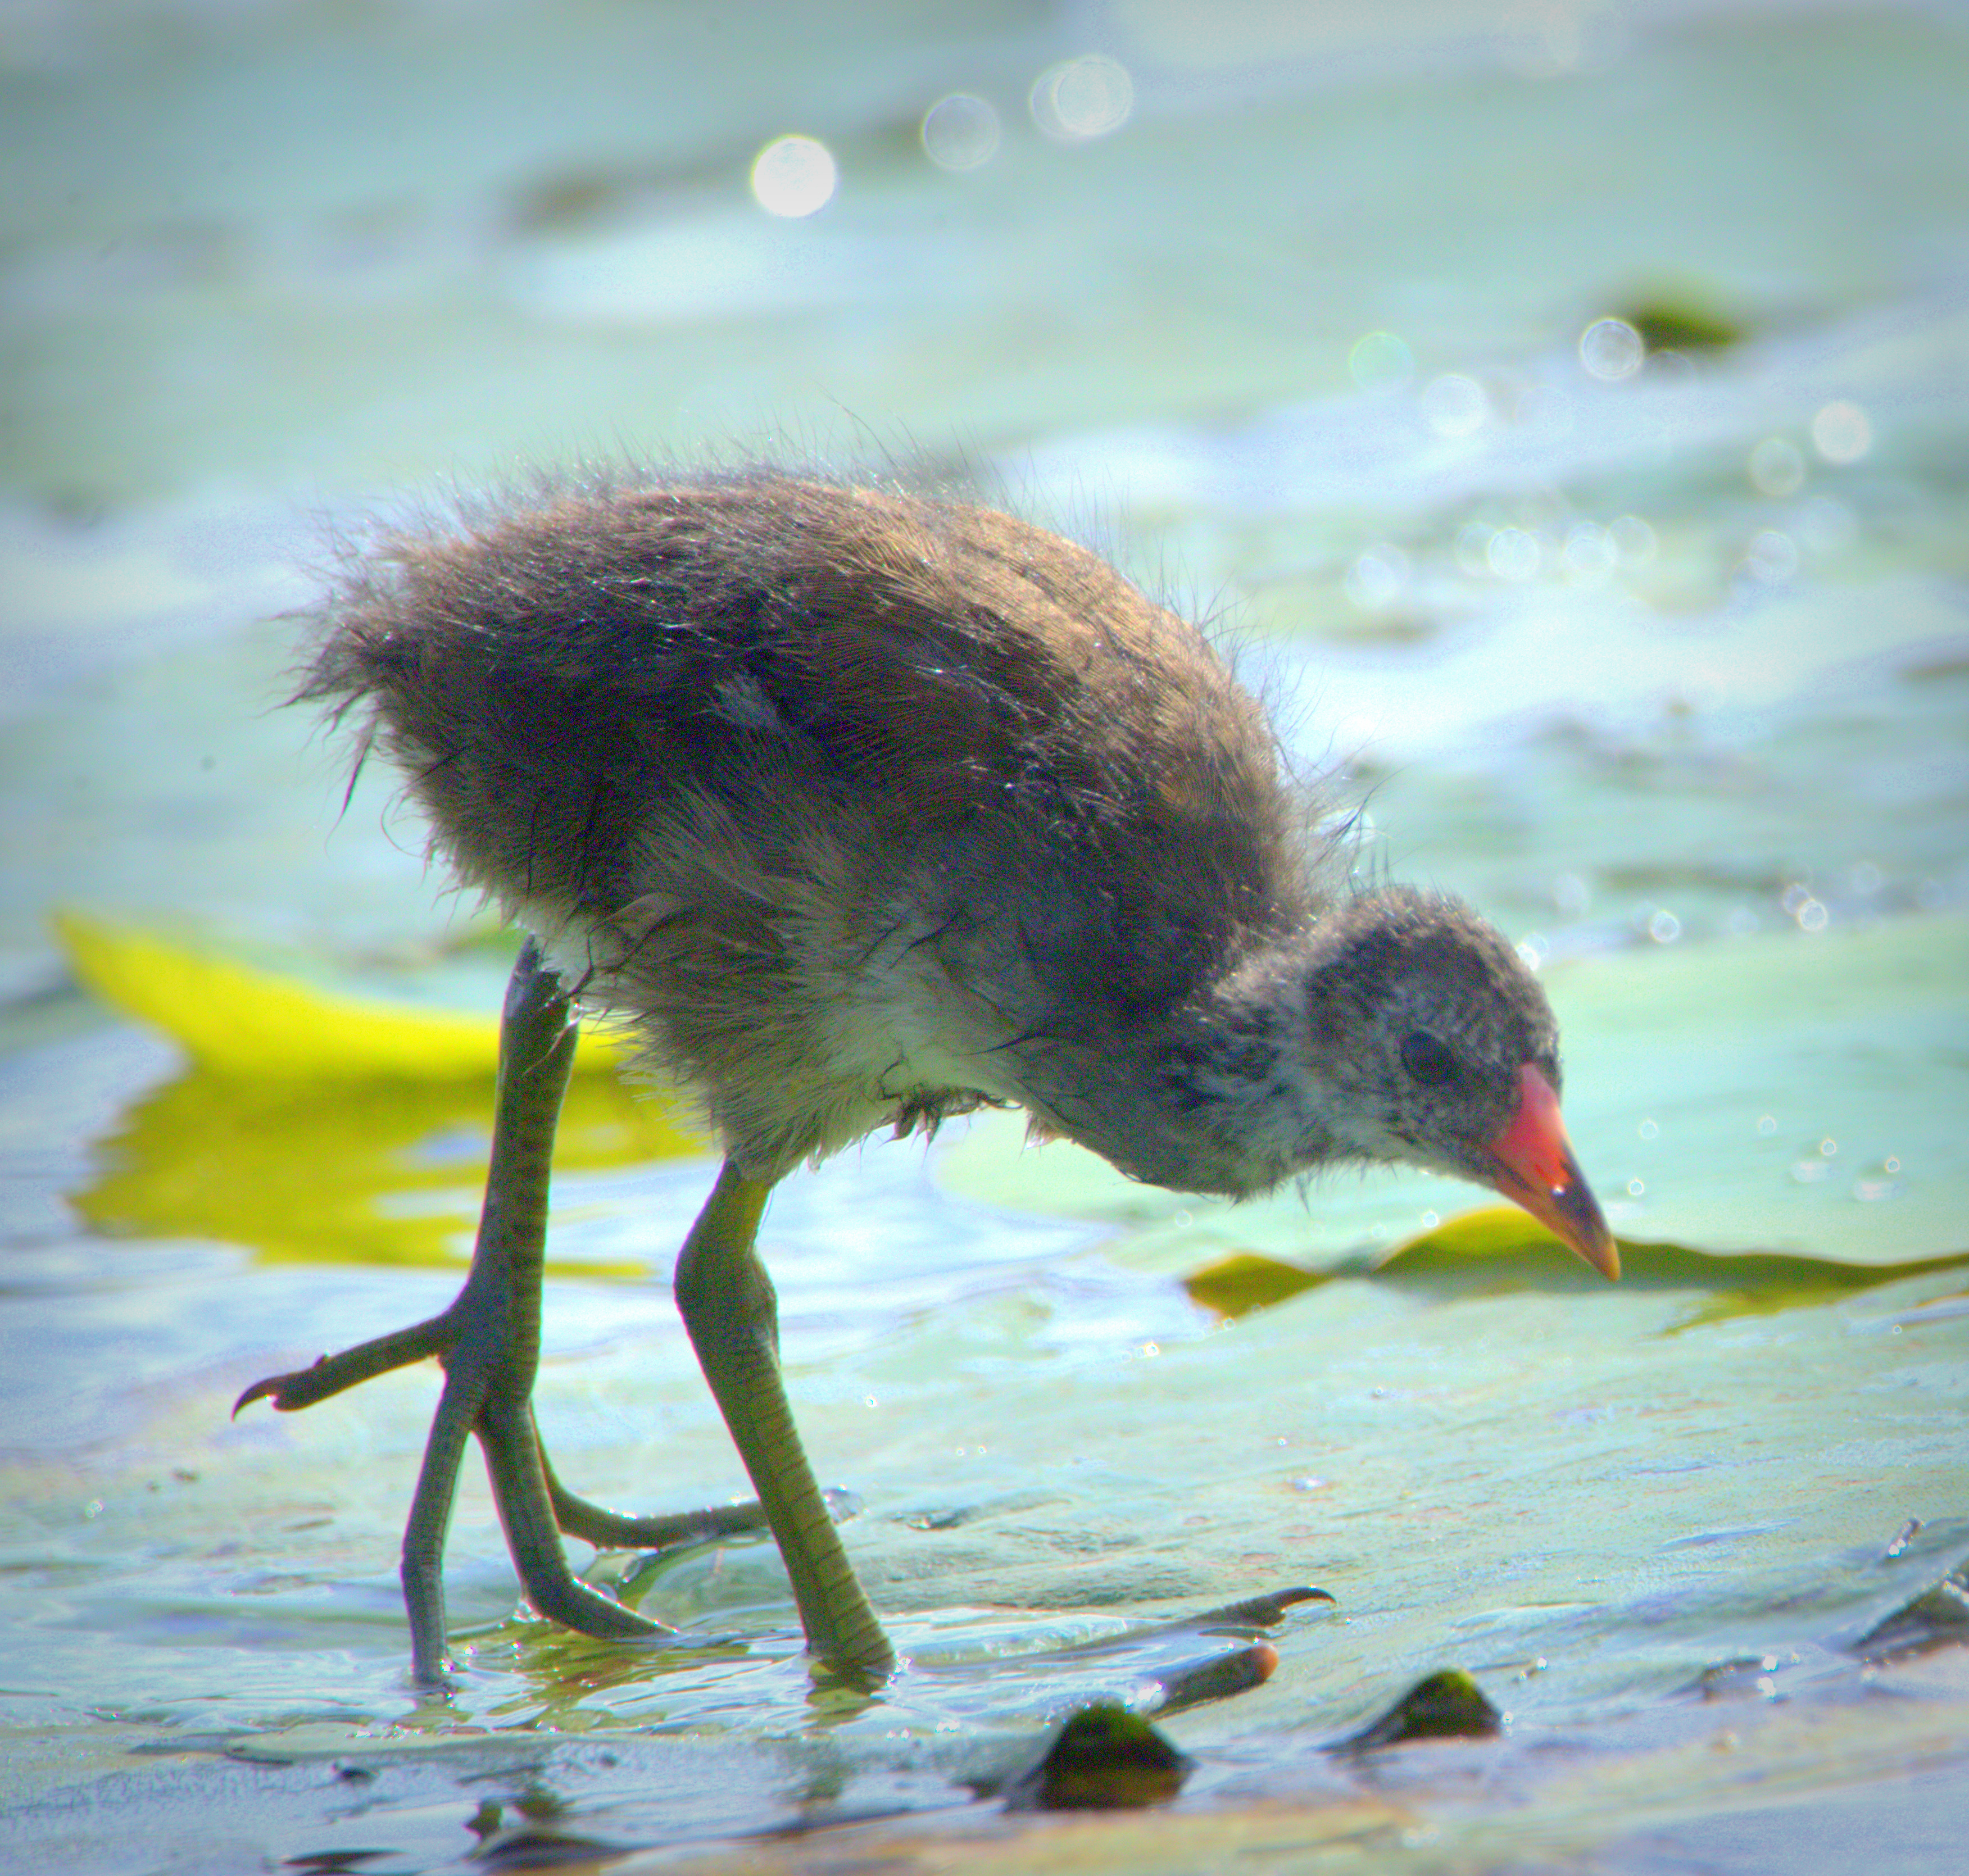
<point>1745,1676</point>
<point>1446,1705</point>
<point>1104,1758</point>
<point>1682,321</point>
<point>533,1849</point>
<point>1939,1617</point>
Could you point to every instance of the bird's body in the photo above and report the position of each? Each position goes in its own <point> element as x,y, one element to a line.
<point>867,809</point>
<point>864,808</point>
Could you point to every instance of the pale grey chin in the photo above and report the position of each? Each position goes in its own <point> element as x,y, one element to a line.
<point>1389,1149</point>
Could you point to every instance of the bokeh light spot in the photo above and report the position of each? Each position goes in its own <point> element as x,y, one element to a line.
<point>1590,554</point>
<point>1377,578</point>
<point>1080,99</point>
<point>1380,361</point>
<point>1514,553</point>
<point>794,176</point>
<point>1777,466</point>
<point>1633,540</point>
<point>1772,557</point>
<point>1611,350</point>
<point>1841,433</point>
<point>961,132</point>
<point>1454,405</point>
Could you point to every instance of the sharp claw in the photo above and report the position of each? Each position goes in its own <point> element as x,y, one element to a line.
<point>1264,1611</point>
<point>271,1389</point>
<point>259,1390</point>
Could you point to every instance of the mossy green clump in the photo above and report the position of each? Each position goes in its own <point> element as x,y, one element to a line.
<point>1104,1758</point>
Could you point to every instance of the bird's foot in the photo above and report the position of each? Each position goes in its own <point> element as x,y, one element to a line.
<point>331,1375</point>
<point>1157,1667</point>
<point>438,1336</point>
<point>613,1531</point>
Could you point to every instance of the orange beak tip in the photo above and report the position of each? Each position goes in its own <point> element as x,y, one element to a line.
<point>1534,1167</point>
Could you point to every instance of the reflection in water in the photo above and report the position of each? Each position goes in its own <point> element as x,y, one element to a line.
<point>1080,99</point>
<point>371,1172</point>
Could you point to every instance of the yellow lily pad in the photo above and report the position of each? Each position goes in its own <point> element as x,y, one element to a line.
<point>1235,1285</point>
<point>324,1129</point>
<point>1501,1247</point>
<point>1498,1247</point>
<point>240,1020</point>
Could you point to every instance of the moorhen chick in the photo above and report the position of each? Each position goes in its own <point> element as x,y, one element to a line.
<point>866,809</point>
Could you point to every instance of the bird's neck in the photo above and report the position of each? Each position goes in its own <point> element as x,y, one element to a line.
<point>1222,1095</point>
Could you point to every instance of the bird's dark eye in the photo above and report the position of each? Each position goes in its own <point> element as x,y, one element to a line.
<point>1427,1059</point>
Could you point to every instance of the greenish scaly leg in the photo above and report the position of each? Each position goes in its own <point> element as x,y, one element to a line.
<point>729,1307</point>
<point>488,1340</point>
<point>613,1531</point>
<point>490,1367</point>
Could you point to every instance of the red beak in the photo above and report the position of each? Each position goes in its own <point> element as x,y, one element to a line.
<point>1536,1169</point>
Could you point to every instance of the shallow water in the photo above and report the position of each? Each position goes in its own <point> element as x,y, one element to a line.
<point>1669,672</point>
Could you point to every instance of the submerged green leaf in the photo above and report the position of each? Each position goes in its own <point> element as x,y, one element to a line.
<point>1447,1705</point>
<point>1498,1250</point>
<point>1235,1285</point>
<point>1104,1758</point>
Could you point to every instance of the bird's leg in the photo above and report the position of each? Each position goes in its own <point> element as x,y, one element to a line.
<point>491,1366</point>
<point>729,1308</point>
<point>488,1341</point>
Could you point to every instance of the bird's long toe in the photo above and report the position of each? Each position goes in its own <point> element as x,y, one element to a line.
<point>331,1375</point>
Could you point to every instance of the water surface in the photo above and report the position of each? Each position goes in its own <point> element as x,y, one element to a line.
<point>1667,668</point>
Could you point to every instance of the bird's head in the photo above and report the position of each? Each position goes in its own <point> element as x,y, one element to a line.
<point>1437,1047</point>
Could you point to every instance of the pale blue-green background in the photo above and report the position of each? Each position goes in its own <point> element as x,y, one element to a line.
<point>267,268</point>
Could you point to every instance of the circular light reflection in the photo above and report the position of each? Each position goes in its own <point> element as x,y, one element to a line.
<point>1611,350</point>
<point>1514,553</point>
<point>1473,545</point>
<point>1380,361</point>
<point>1454,405</point>
<point>1777,466</point>
<point>1590,553</point>
<point>794,176</point>
<point>1841,433</point>
<point>1772,557</point>
<point>1571,894</point>
<point>1633,540</point>
<point>960,132</point>
<point>1377,578</point>
<point>1080,99</point>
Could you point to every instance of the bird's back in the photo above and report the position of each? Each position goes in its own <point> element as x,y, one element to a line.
<point>860,802</point>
